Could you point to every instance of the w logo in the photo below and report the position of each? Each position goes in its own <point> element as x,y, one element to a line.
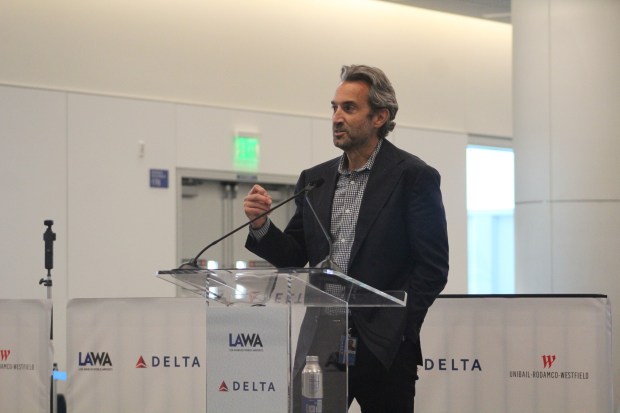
<point>4,354</point>
<point>548,361</point>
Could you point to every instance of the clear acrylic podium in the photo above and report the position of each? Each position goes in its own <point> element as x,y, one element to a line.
<point>309,307</point>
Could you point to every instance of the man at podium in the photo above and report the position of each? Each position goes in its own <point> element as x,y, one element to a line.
<point>384,212</point>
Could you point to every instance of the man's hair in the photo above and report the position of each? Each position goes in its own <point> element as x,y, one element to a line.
<point>381,94</point>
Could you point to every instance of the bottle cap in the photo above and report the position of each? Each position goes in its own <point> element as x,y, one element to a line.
<point>312,358</point>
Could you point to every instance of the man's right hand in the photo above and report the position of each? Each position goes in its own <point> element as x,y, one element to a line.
<point>257,202</point>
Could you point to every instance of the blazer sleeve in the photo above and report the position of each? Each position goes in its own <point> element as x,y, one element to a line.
<point>284,248</point>
<point>428,237</point>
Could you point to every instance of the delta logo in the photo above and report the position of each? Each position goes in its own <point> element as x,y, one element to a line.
<point>141,364</point>
<point>169,362</point>
<point>245,342</point>
<point>247,386</point>
<point>453,364</point>
<point>94,361</point>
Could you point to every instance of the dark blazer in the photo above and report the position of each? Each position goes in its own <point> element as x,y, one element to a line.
<point>401,243</point>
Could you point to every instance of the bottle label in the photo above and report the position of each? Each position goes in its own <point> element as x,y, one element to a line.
<point>310,405</point>
<point>312,385</point>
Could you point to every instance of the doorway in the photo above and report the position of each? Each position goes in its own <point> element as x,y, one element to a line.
<point>210,204</point>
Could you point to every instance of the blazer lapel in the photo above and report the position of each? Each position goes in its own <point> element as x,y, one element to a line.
<point>384,176</point>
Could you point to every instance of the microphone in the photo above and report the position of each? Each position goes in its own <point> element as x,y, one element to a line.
<point>328,262</point>
<point>193,264</point>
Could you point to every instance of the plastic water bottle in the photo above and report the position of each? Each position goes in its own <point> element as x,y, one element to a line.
<point>312,386</point>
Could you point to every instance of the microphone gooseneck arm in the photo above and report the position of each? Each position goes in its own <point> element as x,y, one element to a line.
<point>328,262</point>
<point>314,184</point>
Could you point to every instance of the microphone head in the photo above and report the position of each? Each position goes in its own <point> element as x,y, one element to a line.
<point>315,184</point>
<point>190,265</point>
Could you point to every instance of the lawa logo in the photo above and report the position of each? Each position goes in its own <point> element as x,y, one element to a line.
<point>223,386</point>
<point>92,359</point>
<point>548,361</point>
<point>245,340</point>
<point>4,355</point>
<point>141,364</point>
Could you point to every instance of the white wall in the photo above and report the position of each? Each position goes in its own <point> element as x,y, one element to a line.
<point>567,100</point>
<point>450,72</point>
<point>120,231</point>
<point>84,83</point>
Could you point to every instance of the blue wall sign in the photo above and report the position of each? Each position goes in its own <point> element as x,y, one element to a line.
<point>159,178</point>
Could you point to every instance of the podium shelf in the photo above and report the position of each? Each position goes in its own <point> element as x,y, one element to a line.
<point>282,286</point>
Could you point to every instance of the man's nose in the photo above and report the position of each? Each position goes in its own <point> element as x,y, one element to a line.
<point>337,115</point>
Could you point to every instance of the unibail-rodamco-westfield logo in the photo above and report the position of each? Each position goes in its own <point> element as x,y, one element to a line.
<point>549,370</point>
<point>4,358</point>
<point>548,361</point>
<point>5,364</point>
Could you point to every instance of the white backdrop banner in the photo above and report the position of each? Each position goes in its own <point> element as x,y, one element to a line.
<point>247,356</point>
<point>536,354</point>
<point>136,355</point>
<point>26,355</point>
<point>493,354</point>
<point>151,354</point>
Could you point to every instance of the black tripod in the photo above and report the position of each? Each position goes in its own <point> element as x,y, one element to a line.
<point>48,238</point>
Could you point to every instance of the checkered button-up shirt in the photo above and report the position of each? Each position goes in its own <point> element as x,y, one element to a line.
<point>346,207</point>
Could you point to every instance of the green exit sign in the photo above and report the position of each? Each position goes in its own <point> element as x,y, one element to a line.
<point>247,151</point>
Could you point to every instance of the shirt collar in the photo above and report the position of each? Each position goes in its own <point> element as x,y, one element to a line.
<point>342,169</point>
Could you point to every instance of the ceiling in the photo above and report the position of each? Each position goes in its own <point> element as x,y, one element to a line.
<point>496,10</point>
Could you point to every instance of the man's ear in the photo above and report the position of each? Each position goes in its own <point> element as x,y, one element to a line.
<point>381,117</point>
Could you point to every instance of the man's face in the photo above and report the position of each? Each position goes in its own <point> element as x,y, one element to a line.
<point>353,123</point>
